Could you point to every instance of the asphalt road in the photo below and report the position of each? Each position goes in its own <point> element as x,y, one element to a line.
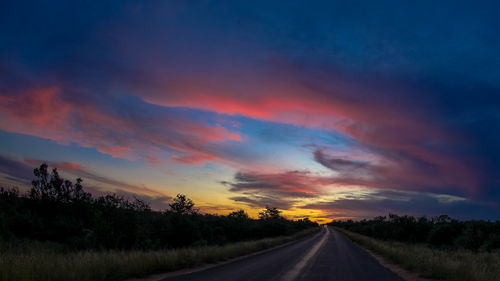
<point>328,255</point>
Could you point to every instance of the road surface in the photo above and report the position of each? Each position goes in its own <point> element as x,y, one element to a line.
<point>328,255</point>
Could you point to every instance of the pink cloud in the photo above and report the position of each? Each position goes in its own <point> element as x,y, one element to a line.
<point>193,159</point>
<point>390,129</point>
<point>382,123</point>
<point>46,113</point>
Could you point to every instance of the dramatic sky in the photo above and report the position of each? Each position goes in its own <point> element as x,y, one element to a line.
<point>324,109</point>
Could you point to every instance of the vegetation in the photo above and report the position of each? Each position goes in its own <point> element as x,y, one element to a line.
<point>440,247</point>
<point>58,231</point>
<point>439,232</point>
<point>42,261</point>
<point>56,210</point>
<point>449,264</point>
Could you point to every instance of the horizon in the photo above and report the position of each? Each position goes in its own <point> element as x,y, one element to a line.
<point>324,111</point>
<point>25,193</point>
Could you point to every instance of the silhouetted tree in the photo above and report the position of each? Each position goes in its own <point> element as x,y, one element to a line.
<point>53,187</point>
<point>182,205</point>
<point>240,214</point>
<point>270,213</point>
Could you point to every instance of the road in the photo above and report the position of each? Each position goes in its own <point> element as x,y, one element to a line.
<point>328,255</point>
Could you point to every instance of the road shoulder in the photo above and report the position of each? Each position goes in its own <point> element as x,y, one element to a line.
<point>401,272</point>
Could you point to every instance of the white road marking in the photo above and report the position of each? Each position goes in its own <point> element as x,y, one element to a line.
<point>293,273</point>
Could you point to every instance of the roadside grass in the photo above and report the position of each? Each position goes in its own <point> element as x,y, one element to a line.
<point>44,261</point>
<point>448,265</point>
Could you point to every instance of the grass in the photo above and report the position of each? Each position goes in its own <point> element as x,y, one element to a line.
<point>42,261</point>
<point>449,265</point>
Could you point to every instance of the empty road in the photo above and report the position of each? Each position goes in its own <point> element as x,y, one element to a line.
<point>327,255</point>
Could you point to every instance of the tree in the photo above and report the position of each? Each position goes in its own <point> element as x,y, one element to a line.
<point>182,205</point>
<point>240,214</point>
<point>53,187</point>
<point>269,213</point>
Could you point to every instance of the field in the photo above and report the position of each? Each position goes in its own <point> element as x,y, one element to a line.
<point>43,261</point>
<point>442,264</point>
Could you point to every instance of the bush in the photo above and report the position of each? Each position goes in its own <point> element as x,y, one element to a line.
<point>442,235</point>
<point>492,243</point>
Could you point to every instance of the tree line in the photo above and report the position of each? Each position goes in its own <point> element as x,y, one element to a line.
<point>60,211</point>
<point>441,231</point>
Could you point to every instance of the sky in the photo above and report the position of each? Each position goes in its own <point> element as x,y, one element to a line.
<point>323,109</point>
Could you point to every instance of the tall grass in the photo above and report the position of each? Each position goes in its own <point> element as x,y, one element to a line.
<point>41,261</point>
<point>449,265</point>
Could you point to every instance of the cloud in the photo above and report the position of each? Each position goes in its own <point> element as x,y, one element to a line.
<point>362,190</point>
<point>128,128</point>
<point>16,171</point>
<point>397,170</point>
<point>22,171</point>
<point>257,201</point>
<point>289,184</point>
<point>384,117</point>
<point>381,202</point>
<point>85,173</point>
<point>272,85</point>
<point>193,159</point>
<point>341,165</point>
<point>281,190</point>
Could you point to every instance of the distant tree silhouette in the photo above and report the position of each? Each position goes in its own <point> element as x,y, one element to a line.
<point>120,202</point>
<point>269,213</point>
<point>240,214</point>
<point>182,205</point>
